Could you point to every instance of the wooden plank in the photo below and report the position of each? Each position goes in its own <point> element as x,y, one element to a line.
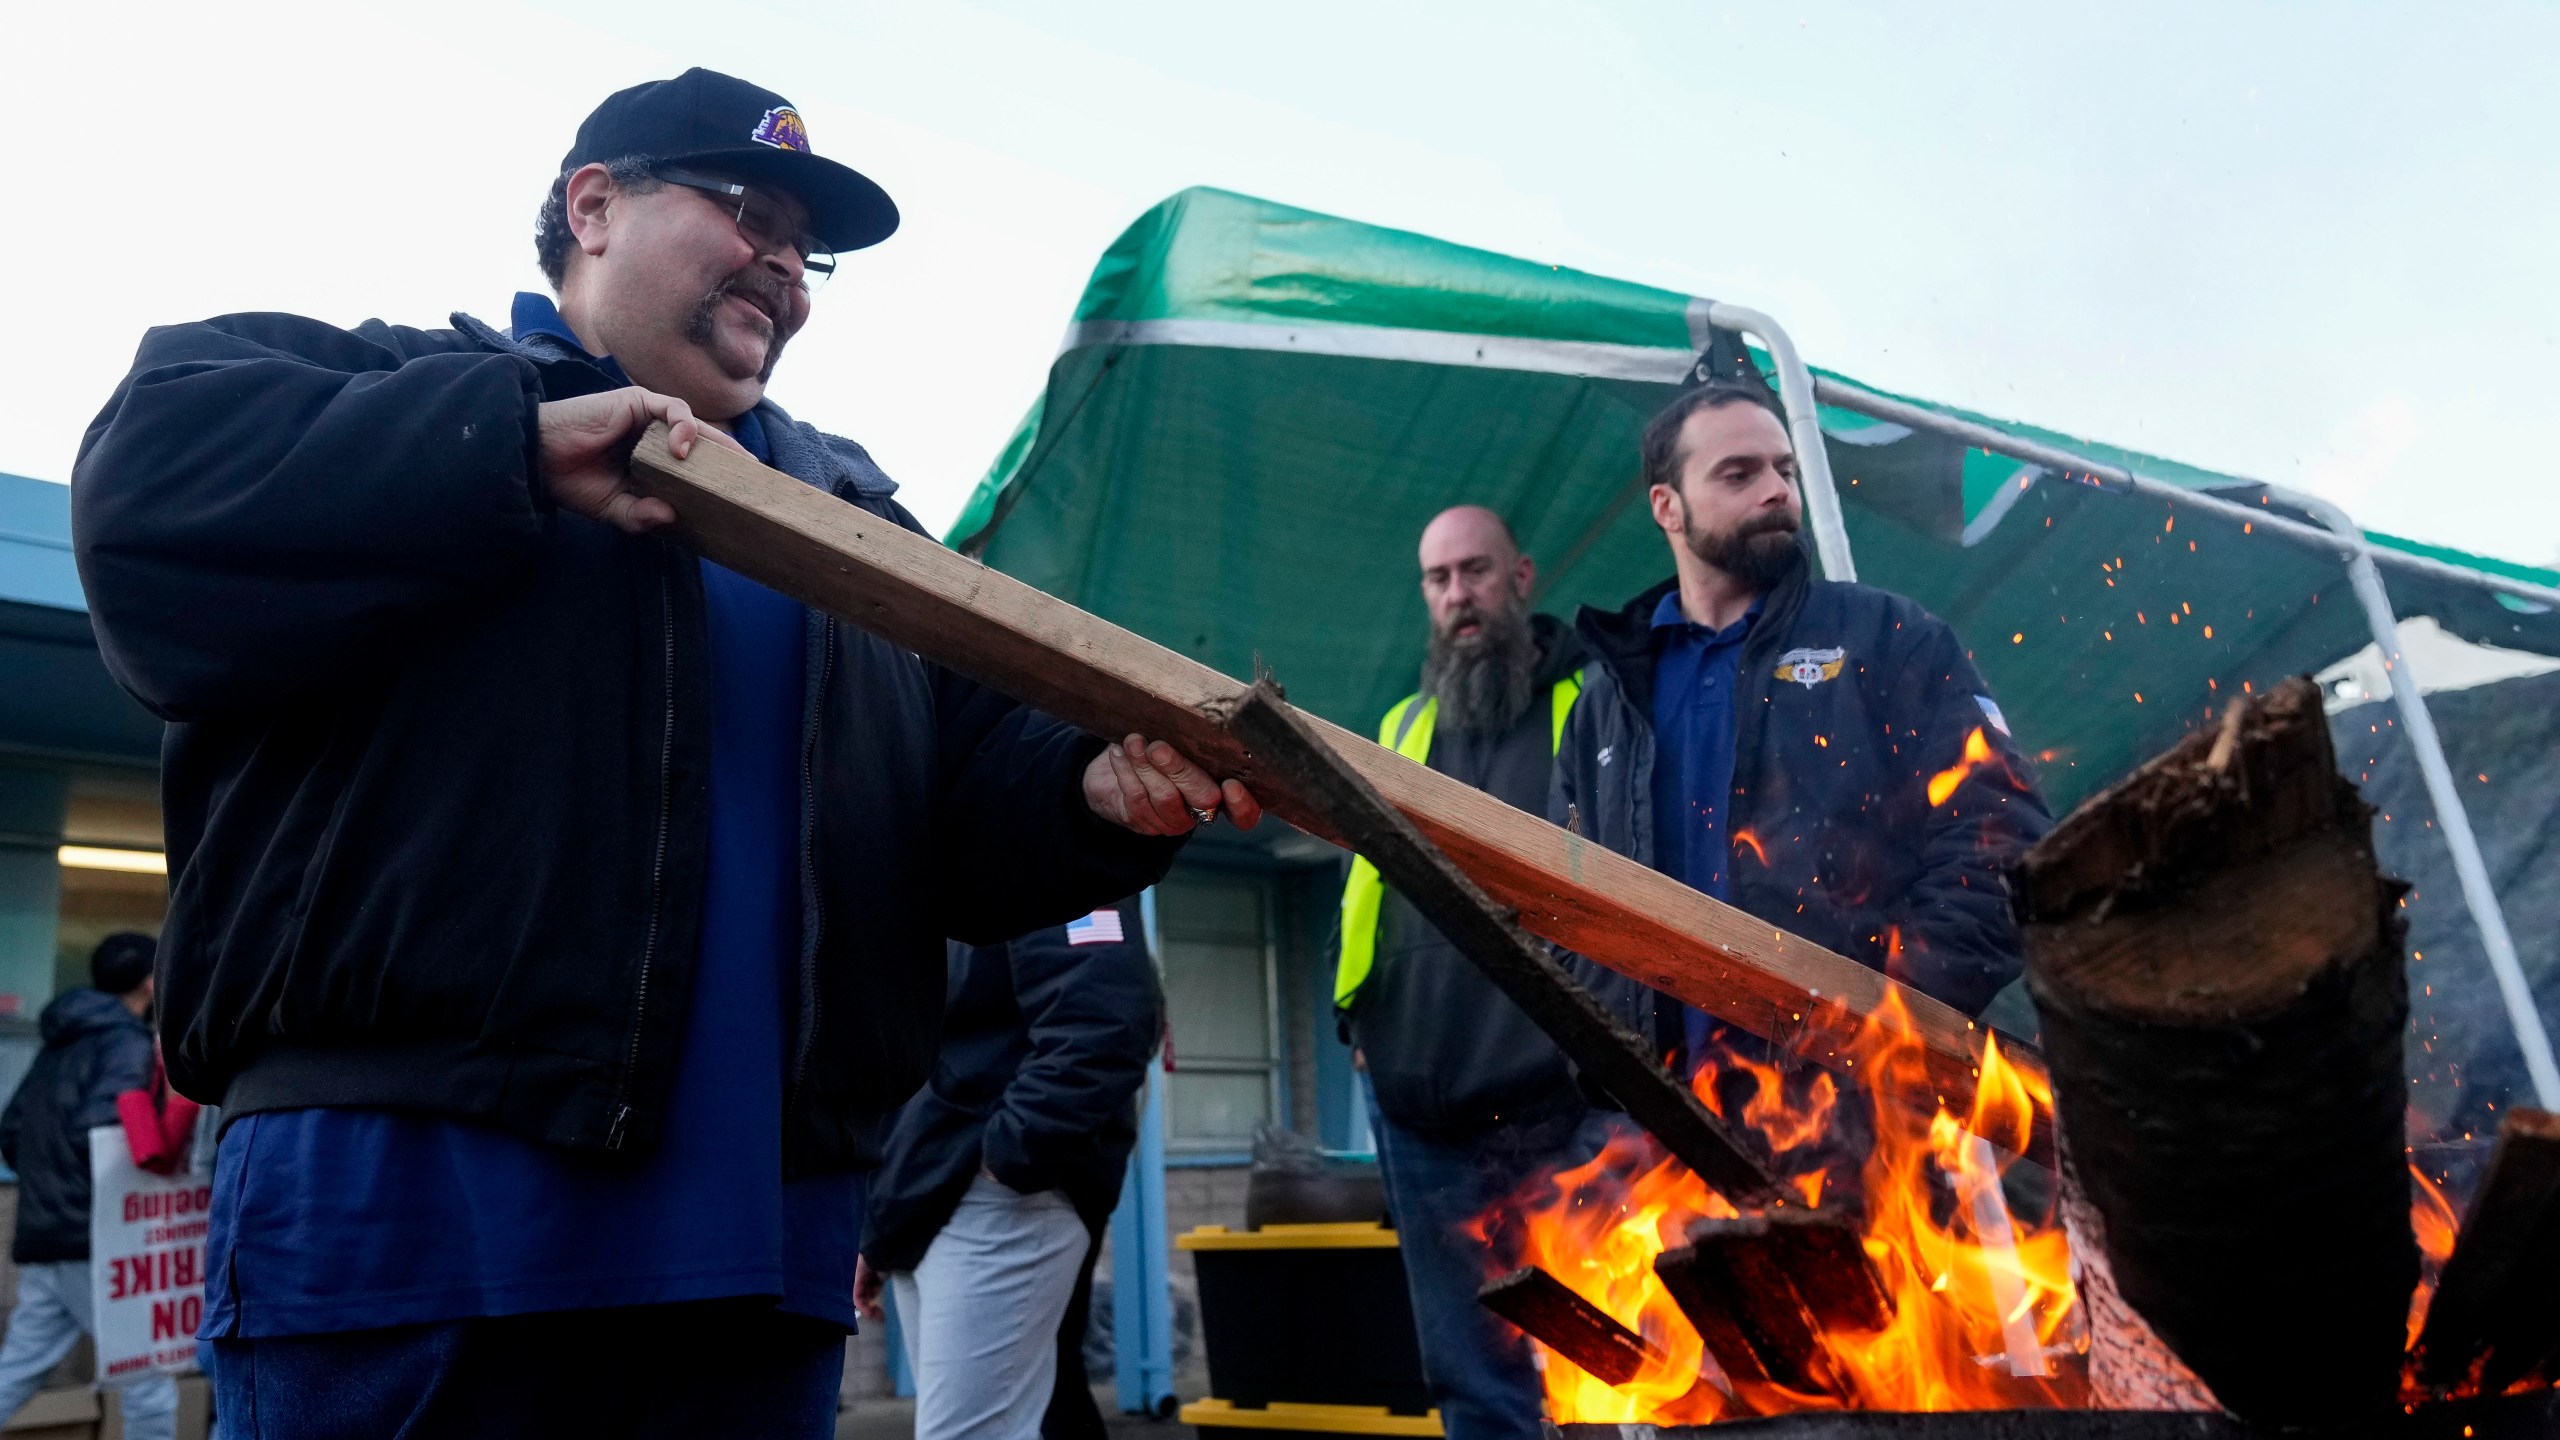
<point>2218,966</point>
<point>1699,1285</point>
<point>1738,1268</point>
<point>1569,1325</point>
<point>2496,1309</point>
<point>1089,672</point>
<point>1278,737</point>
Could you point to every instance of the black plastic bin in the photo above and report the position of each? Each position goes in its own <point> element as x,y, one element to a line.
<point>1309,1315</point>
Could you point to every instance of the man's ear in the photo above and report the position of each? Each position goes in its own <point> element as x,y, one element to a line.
<point>1524,577</point>
<point>590,204</point>
<point>1666,508</point>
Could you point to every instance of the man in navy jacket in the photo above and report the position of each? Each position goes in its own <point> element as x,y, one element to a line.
<point>1003,1170</point>
<point>1821,755</point>
<point>97,1045</point>
<point>558,917</point>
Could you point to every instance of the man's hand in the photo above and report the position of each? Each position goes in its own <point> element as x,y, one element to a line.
<point>586,453</point>
<point>1152,788</point>
<point>867,1285</point>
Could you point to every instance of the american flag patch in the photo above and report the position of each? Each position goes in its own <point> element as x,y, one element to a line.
<point>1102,927</point>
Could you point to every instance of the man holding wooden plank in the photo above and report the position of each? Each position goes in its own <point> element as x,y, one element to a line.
<point>1821,755</point>
<point>557,915</point>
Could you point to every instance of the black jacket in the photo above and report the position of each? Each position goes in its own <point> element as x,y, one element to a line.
<point>1833,834</point>
<point>1447,1053</point>
<point>94,1050</point>
<point>435,771</point>
<point>1045,1042</point>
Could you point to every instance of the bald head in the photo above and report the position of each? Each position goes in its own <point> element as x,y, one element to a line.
<point>1471,568</point>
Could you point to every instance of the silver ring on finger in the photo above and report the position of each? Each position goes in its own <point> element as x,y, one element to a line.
<point>1200,816</point>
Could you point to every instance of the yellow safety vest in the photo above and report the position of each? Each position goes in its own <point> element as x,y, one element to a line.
<point>1365,891</point>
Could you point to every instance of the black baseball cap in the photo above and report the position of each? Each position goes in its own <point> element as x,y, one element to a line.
<point>712,121</point>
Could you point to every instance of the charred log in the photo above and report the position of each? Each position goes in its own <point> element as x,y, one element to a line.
<point>2130,1366</point>
<point>1762,1289</point>
<point>1699,1286</point>
<point>2217,965</point>
<point>1571,1326</point>
<point>2494,1320</point>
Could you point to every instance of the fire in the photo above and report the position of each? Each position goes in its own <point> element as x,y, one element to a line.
<point>2433,1219</point>
<point>1981,1295</point>
<point>1983,1311</point>
<point>1977,751</point>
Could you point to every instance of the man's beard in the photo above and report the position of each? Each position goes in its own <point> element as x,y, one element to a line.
<point>1485,681</point>
<point>1757,553</point>
<point>699,327</point>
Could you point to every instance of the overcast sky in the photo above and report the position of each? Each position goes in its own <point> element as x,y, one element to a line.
<point>2313,245</point>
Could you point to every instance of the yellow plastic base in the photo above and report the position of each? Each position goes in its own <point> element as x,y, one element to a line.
<point>1328,1419</point>
<point>1361,1235</point>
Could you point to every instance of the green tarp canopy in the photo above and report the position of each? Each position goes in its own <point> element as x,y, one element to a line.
<point>1257,408</point>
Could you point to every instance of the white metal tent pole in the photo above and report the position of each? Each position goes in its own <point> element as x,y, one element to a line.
<point>2080,469</point>
<point>2451,817</point>
<point>1804,424</point>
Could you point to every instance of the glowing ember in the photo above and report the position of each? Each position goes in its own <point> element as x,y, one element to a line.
<point>1977,751</point>
<point>1745,839</point>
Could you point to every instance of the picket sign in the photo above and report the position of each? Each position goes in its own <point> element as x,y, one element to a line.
<point>146,1268</point>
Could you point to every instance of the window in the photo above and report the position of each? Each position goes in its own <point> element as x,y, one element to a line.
<point>1220,967</point>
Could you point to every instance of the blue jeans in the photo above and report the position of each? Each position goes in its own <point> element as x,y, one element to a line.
<point>714,1367</point>
<point>1477,1365</point>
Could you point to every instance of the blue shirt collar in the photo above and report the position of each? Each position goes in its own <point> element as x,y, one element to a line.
<point>1667,615</point>
<point>534,313</point>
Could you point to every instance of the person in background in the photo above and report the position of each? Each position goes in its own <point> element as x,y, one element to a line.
<point>97,1045</point>
<point>557,915</point>
<point>1821,755</point>
<point>1002,1171</point>
<point>1468,1097</point>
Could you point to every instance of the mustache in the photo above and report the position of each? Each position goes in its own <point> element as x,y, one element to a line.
<point>768,294</point>
<point>1776,522</point>
<point>1471,614</point>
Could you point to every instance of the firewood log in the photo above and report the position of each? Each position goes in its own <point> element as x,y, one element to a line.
<point>2217,965</point>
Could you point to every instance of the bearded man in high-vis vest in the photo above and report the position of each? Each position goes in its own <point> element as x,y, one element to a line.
<point>1468,1098</point>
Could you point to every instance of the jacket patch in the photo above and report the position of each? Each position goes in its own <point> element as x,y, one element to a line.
<point>1102,927</point>
<point>1809,668</point>
<point>1607,753</point>
<point>1991,712</point>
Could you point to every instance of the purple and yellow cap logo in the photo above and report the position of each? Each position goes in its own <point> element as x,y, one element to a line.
<point>782,129</point>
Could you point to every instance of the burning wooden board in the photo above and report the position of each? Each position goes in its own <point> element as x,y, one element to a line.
<point>1764,1289</point>
<point>876,575</point>
<point>1604,1051</point>
<point>1568,1324</point>
<point>2495,1317</point>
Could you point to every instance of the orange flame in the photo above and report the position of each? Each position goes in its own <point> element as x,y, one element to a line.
<point>1977,752</point>
<point>1963,1299</point>
<point>2431,1215</point>
<point>1746,839</point>
<point>1984,1314</point>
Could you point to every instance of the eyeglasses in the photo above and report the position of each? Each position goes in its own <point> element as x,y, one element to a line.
<point>763,220</point>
